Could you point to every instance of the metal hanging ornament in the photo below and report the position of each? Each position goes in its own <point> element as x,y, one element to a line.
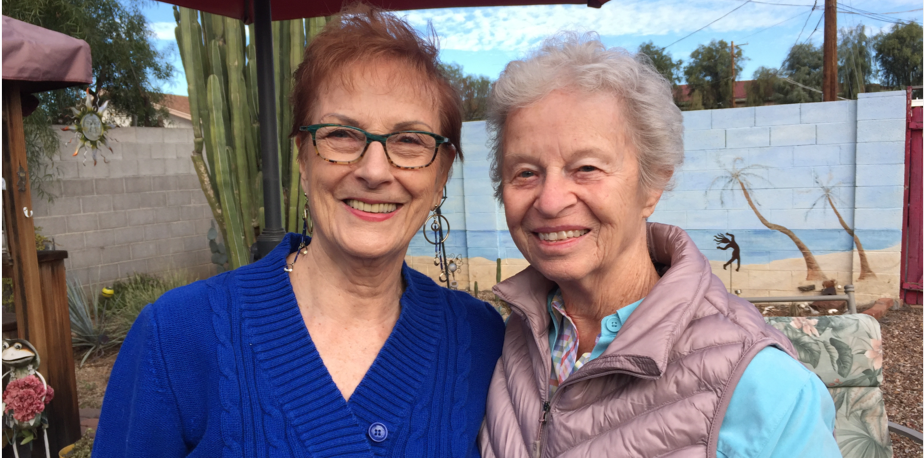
<point>89,129</point>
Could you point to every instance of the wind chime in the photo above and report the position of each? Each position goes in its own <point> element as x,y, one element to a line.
<point>448,264</point>
<point>89,128</point>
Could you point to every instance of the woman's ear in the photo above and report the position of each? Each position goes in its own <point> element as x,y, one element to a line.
<point>298,142</point>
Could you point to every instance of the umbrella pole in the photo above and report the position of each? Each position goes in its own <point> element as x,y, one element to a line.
<point>273,232</point>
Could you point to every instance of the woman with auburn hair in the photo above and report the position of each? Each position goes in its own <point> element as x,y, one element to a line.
<point>622,343</point>
<point>330,345</point>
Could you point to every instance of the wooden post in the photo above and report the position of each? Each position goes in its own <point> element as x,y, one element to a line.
<point>829,71</point>
<point>20,229</point>
<point>39,293</point>
<point>58,364</point>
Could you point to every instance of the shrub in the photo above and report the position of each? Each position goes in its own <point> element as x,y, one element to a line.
<point>135,292</point>
<point>90,324</point>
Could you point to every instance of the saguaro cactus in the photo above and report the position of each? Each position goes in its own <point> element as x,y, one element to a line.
<point>219,59</point>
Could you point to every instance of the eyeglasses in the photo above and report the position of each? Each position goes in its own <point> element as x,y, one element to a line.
<point>409,149</point>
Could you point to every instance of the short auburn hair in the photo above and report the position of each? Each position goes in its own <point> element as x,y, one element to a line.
<point>363,33</point>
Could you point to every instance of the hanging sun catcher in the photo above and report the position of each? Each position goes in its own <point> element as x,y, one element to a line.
<point>89,128</point>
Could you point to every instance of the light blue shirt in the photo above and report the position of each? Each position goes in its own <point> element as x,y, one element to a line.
<point>779,409</point>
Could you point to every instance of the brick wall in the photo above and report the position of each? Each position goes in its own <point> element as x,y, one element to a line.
<point>142,212</point>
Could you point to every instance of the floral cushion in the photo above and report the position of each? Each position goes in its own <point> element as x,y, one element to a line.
<point>860,425</point>
<point>846,353</point>
<point>843,350</point>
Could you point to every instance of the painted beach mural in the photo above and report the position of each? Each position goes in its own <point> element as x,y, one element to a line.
<point>780,199</point>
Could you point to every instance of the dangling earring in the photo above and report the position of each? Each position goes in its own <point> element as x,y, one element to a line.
<point>307,227</point>
<point>439,239</point>
<point>303,245</point>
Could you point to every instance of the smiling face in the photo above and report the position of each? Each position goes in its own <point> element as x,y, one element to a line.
<point>370,209</point>
<point>571,189</point>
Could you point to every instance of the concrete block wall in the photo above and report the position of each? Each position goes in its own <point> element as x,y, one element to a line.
<point>787,152</point>
<point>142,212</point>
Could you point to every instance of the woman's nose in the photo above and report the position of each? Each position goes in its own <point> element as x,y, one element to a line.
<point>374,167</point>
<point>555,196</point>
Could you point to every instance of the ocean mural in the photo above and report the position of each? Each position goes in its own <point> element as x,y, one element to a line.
<point>793,195</point>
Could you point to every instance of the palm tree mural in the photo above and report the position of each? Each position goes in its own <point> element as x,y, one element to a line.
<point>828,198</point>
<point>740,177</point>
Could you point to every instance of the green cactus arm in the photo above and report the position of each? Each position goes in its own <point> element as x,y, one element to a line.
<point>240,123</point>
<point>207,189</point>
<point>231,214</point>
<point>192,55</point>
<point>296,51</point>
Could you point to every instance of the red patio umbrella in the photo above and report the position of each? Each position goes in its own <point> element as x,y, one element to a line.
<point>288,9</point>
<point>262,13</point>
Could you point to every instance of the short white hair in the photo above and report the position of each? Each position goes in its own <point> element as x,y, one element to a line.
<point>569,60</point>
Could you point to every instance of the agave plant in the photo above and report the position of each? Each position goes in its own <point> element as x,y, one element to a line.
<point>89,326</point>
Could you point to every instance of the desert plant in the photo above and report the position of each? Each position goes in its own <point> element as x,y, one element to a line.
<point>90,327</point>
<point>219,60</point>
<point>134,293</point>
<point>83,447</point>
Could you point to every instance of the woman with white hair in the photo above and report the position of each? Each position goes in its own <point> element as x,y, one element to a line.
<point>622,342</point>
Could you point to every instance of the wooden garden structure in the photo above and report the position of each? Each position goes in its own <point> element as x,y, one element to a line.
<point>37,60</point>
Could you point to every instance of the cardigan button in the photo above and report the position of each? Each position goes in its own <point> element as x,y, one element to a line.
<point>378,432</point>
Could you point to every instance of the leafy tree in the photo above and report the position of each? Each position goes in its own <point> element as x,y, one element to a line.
<point>662,61</point>
<point>670,69</point>
<point>898,55</point>
<point>709,73</point>
<point>126,64</point>
<point>855,61</point>
<point>473,89</point>
<point>763,86</point>
<point>803,65</point>
<point>801,70</point>
<point>42,143</point>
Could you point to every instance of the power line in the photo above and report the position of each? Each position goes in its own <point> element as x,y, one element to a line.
<point>707,25</point>
<point>778,23</point>
<point>806,21</point>
<point>815,29</point>
<point>847,9</point>
<point>780,4</point>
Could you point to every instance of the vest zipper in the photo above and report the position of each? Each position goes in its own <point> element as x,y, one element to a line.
<point>546,407</point>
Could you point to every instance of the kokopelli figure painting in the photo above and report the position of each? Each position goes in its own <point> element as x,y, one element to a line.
<point>736,252</point>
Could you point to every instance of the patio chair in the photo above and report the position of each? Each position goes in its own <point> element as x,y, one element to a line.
<point>845,351</point>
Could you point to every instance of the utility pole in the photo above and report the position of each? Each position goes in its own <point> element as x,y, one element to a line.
<point>733,74</point>
<point>829,71</point>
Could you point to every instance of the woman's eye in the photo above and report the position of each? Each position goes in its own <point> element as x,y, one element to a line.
<point>409,139</point>
<point>587,168</point>
<point>526,174</point>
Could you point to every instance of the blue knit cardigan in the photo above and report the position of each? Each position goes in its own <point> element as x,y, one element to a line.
<point>226,367</point>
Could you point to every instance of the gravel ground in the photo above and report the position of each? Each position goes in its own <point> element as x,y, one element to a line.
<point>92,379</point>
<point>901,370</point>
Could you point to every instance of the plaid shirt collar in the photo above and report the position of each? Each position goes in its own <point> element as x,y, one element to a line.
<point>564,338</point>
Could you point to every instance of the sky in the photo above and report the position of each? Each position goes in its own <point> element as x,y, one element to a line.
<point>483,40</point>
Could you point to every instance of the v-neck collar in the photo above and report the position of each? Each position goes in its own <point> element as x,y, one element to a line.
<point>326,423</point>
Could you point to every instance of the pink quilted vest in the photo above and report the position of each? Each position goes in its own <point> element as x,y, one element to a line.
<point>659,390</point>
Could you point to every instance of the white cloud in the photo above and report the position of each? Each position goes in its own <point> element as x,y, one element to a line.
<point>518,29</point>
<point>163,30</point>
